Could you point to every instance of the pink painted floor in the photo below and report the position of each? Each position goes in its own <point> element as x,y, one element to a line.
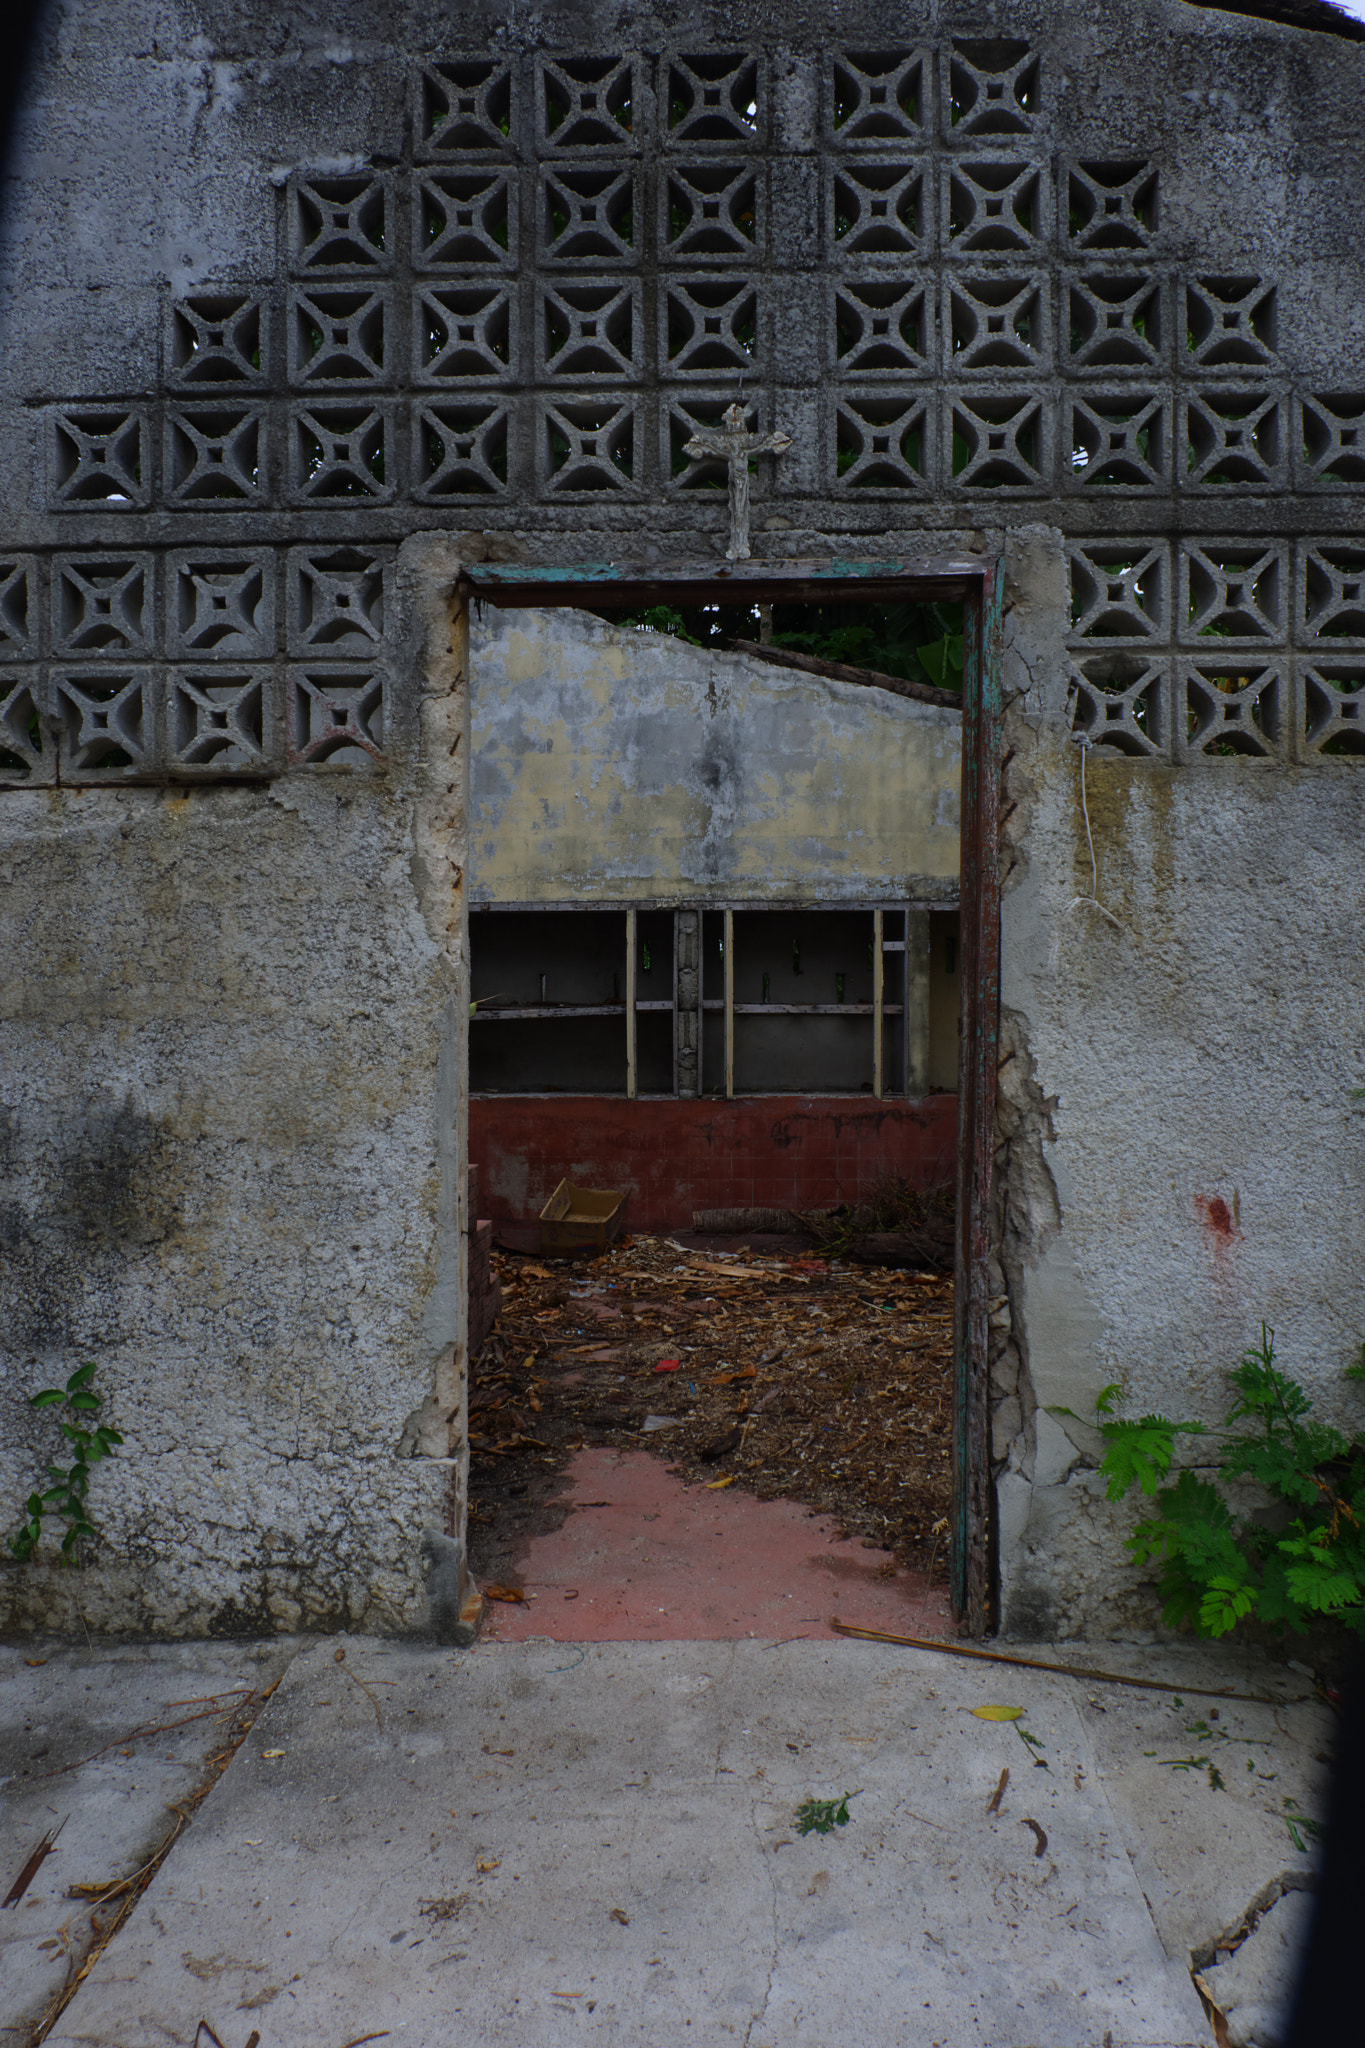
<point>640,1556</point>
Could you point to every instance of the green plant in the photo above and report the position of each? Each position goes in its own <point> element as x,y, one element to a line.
<point>819,1816</point>
<point>66,1496</point>
<point>1297,1559</point>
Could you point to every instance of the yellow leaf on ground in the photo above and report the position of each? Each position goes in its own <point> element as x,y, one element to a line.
<point>714,1485</point>
<point>998,1713</point>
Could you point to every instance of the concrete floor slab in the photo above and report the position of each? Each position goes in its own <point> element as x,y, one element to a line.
<point>640,1556</point>
<point>104,1744</point>
<point>538,1842</point>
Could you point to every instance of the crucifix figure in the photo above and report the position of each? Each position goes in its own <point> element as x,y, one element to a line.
<point>735,444</point>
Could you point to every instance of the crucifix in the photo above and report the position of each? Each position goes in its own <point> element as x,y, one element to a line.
<point>734,443</point>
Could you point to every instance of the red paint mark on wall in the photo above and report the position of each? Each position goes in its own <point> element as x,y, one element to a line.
<point>674,1156</point>
<point>1222,1229</point>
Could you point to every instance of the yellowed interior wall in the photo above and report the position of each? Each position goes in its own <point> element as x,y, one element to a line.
<point>612,764</point>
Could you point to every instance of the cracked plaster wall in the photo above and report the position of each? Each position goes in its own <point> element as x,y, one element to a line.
<point>618,764</point>
<point>233,1145</point>
<point>1179,1158</point>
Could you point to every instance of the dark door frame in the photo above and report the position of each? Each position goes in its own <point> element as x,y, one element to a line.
<point>977,583</point>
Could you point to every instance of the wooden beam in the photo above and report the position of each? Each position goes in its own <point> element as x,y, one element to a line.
<point>631,927</point>
<point>729,1002</point>
<point>878,984</point>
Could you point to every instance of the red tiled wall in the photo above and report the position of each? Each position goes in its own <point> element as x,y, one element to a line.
<point>773,1151</point>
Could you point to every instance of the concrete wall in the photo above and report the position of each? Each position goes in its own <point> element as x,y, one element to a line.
<point>1178,1155</point>
<point>614,764</point>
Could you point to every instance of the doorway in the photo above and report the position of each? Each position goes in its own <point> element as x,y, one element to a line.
<point>732,1040</point>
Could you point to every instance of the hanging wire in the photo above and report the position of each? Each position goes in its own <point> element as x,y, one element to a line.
<point>1092,901</point>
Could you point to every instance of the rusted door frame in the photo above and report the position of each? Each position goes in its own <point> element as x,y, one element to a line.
<point>977,582</point>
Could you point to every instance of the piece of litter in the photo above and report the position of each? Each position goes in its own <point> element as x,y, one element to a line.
<point>653,1422</point>
<point>669,1365</point>
<point>271,1754</point>
<point>483,1864</point>
<point>513,1595</point>
<point>715,1485</point>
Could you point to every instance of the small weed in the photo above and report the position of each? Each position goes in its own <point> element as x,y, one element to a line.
<point>819,1816</point>
<point>70,1483</point>
<point>1299,1825</point>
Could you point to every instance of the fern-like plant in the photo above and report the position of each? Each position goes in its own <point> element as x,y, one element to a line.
<point>1302,1561</point>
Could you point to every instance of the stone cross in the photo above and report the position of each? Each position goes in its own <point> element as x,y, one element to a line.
<point>735,444</point>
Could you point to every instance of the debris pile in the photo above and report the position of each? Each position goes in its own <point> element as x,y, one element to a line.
<point>794,1376</point>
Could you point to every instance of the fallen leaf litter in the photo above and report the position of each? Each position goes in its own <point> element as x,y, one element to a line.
<point>791,1376</point>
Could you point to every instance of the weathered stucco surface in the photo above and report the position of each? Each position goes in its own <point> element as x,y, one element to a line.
<point>232,1149</point>
<point>236,979</point>
<point>1184,1160</point>
<point>613,763</point>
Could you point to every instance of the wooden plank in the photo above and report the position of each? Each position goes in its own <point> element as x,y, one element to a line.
<point>630,586</point>
<point>729,1003</point>
<point>631,930</point>
<point>972,1563</point>
<point>916,998</point>
<point>878,990</point>
<point>841,672</point>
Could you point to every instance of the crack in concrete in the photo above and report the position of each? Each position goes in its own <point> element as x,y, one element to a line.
<point>777,1939</point>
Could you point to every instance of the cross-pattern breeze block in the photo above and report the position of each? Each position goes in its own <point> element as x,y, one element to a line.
<point>711,212</point>
<point>589,330</point>
<point>216,455</point>
<point>990,87</point>
<point>465,216</point>
<point>28,758</point>
<point>590,213</point>
<point>996,440</point>
<point>99,455</point>
<point>334,716</point>
<point>1332,591</point>
<point>460,449</point>
<point>1122,701</point>
<point>341,452</point>
<point>879,208</point>
<point>1233,590</point>
<point>464,331</point>
<point>220,604</point>
<point>1120,590</point>
<point>341,222</point>
<point>1233,707</point>
<point>883,441</point>
<point>1332,709</point>
<point>339,334</point>
<point>103,604</point>
<point>875,97</point>
<point>588,445</point>
<point>465,105</point>
<point>714,99</point>
<point>1331,441</point>
<point>1110,208</point>
<point>1114,321</point>
<point>1230,323</point>
<point>995,207</point>
<point>1120,437</point>
<point>219,721</point>
<point>709,325</point>
<point>339,598</point>
<point>882,328</point>
<point>993,323</point>
<point>18,606</point>
<point>1233,437</point>
<point>588,103</point>
<point>108,724</point>
<point>217,338</point>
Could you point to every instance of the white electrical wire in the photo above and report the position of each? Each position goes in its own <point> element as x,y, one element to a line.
<point>1092,901</point>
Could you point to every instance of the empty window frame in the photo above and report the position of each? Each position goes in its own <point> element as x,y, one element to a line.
<point>787,1001</point>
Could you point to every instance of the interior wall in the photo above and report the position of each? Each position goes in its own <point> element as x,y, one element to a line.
<point>671,1158</point>
<point>613,764</point>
